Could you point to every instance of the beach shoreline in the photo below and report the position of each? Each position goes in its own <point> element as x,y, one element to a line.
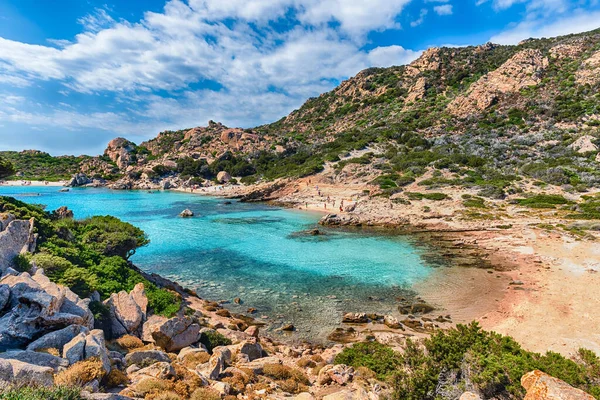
<point>533,279</point>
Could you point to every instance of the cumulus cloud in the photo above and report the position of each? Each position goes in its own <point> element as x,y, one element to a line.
<point>446,9</point>
<point>421,18</point>
<point>247,72</point>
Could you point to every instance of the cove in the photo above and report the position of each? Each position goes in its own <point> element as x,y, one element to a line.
<point>257,253</point>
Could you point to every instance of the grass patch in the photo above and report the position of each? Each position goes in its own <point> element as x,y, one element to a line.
<point>427,196</point>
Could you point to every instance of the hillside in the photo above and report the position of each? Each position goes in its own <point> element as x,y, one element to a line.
<point>485,116</point>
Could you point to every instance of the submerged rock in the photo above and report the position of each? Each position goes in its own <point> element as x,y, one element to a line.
<point>186,213</point>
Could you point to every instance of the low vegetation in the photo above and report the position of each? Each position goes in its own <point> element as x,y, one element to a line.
<point>40,393</point>
<point>448,360</point>
<point>89,255</point>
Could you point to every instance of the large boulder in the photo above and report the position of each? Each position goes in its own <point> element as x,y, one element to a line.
<point>176,333</point>
<point>223,177</point>
<point>74,350</point>
<point>35,358</point>
<point>16,237</point>
<point>541,386</point>
<point>58,339</point>
<point>79,179</point>
<point>128,311</point>
<point>120,151</point>
<point>23,374</point>
<point>252,349</point>
<point>146,357</point>
<point>36,307</point>
<point>95,347</point>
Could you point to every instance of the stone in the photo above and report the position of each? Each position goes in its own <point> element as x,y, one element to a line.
<point>252,331</point>
<point>222,388</point>
<point>214,367</point>
<point>541,386</point>
<point>159,370</point>
<point>258,365</point>
<point>63,213</point>
<point>85,395</point>
<point>339,373</point>
<point>288,328</point>
<point>146,357</point>
<point>190,350</point>
<point>304,396</point>
<point>95,346</point>
<point>347,394</point>
<point>4,296</point>
<point>177,333</point>
<point>252,349</point>
<point>186,213</point>
<point>119,150</point>
<point>152,324</point>
<point>58,339</point>
<point>35,358</point>
<point>469,396</point>
<point>126,314</point>
<point>355,318</point>
<point>79,179</point>
<point>392,322</point>
<point>16,236</point>
<point>223,177</point>
<point>23,374</point>
<point>74,351</point>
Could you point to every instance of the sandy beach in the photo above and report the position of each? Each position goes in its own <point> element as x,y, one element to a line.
<point>32,183</point>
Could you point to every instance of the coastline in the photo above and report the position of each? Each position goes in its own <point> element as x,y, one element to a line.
<point>554,274</point>
<point>33,183</point>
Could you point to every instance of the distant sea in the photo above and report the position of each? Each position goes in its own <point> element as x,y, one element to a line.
<point>258,253</point>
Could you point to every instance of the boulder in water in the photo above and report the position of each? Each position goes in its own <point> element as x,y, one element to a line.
<point>186,213</point>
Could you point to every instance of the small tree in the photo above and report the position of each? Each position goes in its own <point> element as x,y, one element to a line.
<point>6,168</point>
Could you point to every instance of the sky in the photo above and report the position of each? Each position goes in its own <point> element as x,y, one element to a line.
<point>76,73</point>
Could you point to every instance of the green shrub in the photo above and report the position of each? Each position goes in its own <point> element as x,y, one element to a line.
<point>428,196</point>
<point>212,339</point>
<point>40,393</point>
<point>373,355</point>
<point>543,201</point>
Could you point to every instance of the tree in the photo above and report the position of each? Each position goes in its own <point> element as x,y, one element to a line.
<point>6,168</point>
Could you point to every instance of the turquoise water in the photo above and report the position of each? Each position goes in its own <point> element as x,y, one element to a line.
<point>254,252</point>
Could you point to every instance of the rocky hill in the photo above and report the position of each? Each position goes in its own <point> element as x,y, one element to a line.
<point>485,116</point>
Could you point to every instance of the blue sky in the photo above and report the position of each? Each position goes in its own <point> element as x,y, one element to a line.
<point>76,73</point>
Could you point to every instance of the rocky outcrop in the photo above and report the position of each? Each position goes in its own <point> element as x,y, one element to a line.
<point>541,386</point>
<point>223,177</point>
<point>176,333</point>
<point>584,144</point>
<point>16,237</point>
<point>120,150</point>
<point>37,307</point>
<point>128,311</point>
<point>522,70</point>
<point>186,213</point>
<point>589,73</point>
<point>340,220</point>
<point>417,91</point>
<point>14,371</point>
<point>79,179</point>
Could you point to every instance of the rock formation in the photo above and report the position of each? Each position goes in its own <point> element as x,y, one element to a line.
<point>541,386</point>
<point>16,237</point>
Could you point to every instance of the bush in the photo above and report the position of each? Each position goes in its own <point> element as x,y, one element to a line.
<point>428,196</point>
<point>205,394</point>
<point>212,339</point>
<point>40,393</point>
<point>81,373</point>
<point>543,201</point>
<point>379,358</point>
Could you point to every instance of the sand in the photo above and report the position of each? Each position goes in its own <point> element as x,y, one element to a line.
<point>31,183</point>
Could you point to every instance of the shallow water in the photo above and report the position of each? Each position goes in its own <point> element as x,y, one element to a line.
<point>255,252</point>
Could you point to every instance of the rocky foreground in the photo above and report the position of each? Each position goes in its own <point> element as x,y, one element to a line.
<point>48,337</point>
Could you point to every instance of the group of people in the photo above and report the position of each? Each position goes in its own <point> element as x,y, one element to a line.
<point>328,200</point>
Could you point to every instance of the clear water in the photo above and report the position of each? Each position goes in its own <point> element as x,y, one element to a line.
<point>254,252</point>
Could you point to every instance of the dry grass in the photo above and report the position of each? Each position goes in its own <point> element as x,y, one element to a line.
<point>186,381</point>
<point>289,379</point>
<point>129,342</point>
<point>306,363</point>
<point>365,373</point>
<point>317,358</point>
<point>205,394</point>
<point>80,373</point>
<point>116,378</point>
<point>240,380</point>
<point>152,386</point>
<point>192,360</point>
<point>164,396</point>
<point>223,313</point>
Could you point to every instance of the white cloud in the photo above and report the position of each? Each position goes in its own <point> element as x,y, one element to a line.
<point>579,21</point>
<point>262,73</point>
<point>446,9</point>
<point>421,18</point>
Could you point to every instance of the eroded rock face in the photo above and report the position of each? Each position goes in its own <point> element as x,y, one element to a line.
<point>584,144</point>
<point>541,386</point>
<point>522,70</point>
<point>176,333</point>
<point>24,374</point>
<point>589,74</point>
<point>16,237</point>
<point>120,151</point>
<point>36,307</point>
<point>128,311</point>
